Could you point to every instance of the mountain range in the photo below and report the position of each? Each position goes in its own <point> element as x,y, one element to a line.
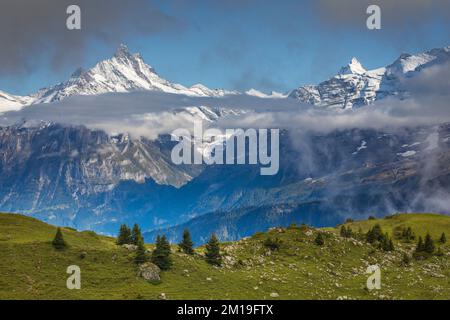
<point>352,86</point>
<point>124,72</point>
<point>89,178</point>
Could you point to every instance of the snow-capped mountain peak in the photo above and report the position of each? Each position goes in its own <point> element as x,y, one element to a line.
<point>124,72</point>
<point>259,94</point>
<point>409,63</point>
<point>354,67</point>
<point>203,91</point>
<point>354,86</point>
<point>9,102</point>
<point>123,52</point>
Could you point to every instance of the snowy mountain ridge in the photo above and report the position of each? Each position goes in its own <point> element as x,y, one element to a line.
<point>354,86</point>
<point>124,72</point>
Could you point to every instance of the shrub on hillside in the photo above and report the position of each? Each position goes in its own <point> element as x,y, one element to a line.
<point>272,244</point>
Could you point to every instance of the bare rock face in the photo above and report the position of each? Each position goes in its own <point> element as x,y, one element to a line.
<point>149,272</point>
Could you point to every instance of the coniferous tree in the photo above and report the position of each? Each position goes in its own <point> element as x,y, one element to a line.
<point>403,236</point>
<point>124,235</point>
<point>186,245</point>
<point>343,231</point>
<point>319,239</point>
<point>411,235</point>
<point>391,245</point>
<point>161,254</point>
<point>384,242</point>
<point>407,234</point>
<point>58,242</point>
<point>136,235</point>
<point>428,244</point>
<point>406,260</point>
<point>374,234</point>
<point>420,246</point>
<point>346,232</point>
<point>349,232</point>
<point>141,256</point>
<point>212,253</point>
<point>443,239</point>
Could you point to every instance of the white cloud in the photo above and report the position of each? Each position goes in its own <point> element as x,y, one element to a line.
<point>150,114</point>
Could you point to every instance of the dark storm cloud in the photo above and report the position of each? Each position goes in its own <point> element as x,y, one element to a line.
<point>29,27</point>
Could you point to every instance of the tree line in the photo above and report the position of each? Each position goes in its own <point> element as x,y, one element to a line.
<point>161,255</point>
<point>376,236</point>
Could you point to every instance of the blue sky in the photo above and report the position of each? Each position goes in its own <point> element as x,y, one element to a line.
<point>267,45</point>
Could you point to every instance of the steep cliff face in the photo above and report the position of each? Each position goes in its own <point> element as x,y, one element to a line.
<point>86,179</point>
<point>324,180</point>
<point>58,171</point>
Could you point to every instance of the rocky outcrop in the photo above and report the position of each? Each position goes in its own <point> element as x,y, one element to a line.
<point>149,271</point>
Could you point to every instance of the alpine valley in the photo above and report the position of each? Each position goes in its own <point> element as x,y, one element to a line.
<point>62,168</point>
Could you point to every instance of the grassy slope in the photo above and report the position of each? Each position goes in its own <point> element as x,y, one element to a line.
<point>31,269</point>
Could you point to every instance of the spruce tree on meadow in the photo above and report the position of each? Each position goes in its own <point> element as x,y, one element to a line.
<point>406,260</point>
<point>342,231</point>
<point>443,239</point>
<point>375,234</point>
<point>141,256</point>
<point>420,246</point>
<point>212,253</point>
<point>58,242</point>
<point>186,245</point>
<point>346,232</point>
<point>124,235</point>
<point>319,239</point>
<point>391,245</point>
<point>136,235</point>
<point>387,243</point>
<point>408,234</point>
<point>161,254</point>
<point>428,244</point>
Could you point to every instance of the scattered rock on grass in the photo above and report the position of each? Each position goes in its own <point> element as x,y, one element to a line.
<point>130,247</point>
<point>149,271</point>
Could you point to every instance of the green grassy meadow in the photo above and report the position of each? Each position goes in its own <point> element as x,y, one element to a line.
<point>30,268</point>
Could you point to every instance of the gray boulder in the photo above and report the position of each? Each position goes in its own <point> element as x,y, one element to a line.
<point>149,271</point>
<point>130,247</point>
